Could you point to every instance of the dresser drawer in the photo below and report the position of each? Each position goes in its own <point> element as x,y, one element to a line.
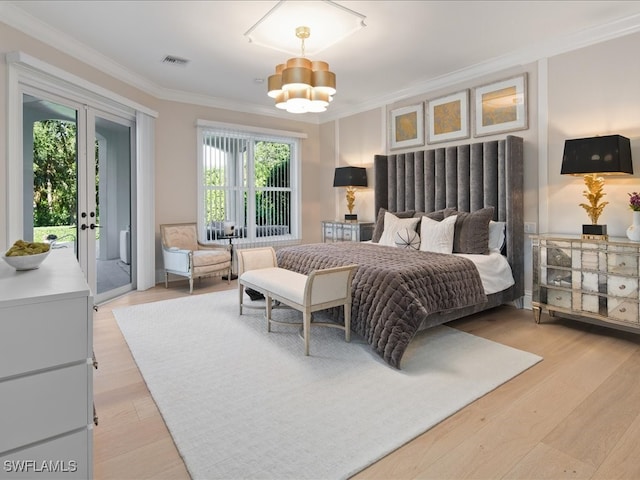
<point>622,264</point>
<point>622,286</point>
<point>36,407</point>
<point>559,298</point>
<point>68,456</point>
<point>41,335</point>
<point>623,310</point>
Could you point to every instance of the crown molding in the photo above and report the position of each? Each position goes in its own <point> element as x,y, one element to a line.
<point>33,27</point>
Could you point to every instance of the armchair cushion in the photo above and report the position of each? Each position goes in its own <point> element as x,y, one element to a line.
<point>202,258</point>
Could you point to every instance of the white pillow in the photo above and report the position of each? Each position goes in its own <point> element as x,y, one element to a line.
<point>496,235</point>
<point>406,238</point>
<point>437,236</point>
<point>391,226</point>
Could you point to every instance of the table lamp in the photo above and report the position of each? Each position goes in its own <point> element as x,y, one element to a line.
<point>350,177</point>
<point>595,157</point>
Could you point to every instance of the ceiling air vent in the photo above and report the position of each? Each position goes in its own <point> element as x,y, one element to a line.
<point>173,60</point>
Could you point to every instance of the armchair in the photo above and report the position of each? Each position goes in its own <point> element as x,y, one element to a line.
<point>183,255</point>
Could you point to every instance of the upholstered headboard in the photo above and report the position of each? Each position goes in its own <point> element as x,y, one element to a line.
<point>465,177</point>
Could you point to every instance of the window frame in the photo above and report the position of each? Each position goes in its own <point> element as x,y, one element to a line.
<point>252,135</point>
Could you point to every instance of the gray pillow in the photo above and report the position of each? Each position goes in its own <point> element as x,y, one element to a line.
<point>471,234</point>
<point>438,215</point>
<point>379,228</point>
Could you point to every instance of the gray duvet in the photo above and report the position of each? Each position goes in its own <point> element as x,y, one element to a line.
<point>394,289</point>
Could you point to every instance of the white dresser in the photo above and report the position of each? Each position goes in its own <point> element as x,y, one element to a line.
<point>595,280</point>
<point>46,378</point>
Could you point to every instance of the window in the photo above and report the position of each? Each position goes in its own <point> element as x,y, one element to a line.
<point>250,180</point>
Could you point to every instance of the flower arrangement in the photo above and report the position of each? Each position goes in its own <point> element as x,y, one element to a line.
<point>634,201</point>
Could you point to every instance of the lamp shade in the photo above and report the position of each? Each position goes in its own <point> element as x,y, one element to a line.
<point>350,177</point>
<point>610,154</point>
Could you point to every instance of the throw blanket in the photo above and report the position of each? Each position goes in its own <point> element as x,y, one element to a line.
<point>394,289</point>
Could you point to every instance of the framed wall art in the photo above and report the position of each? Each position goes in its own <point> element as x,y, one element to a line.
<point>407,126</point>
<point>449,117</point>
<point>501,106</point>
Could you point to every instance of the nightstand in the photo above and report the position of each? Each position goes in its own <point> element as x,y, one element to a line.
<point>346,231</point>
<point>589,280</point>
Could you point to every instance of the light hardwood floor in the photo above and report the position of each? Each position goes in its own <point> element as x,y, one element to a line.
<point>574,415</point>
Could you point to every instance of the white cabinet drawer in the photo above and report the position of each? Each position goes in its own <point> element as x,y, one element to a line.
<point>42,335</point>
<point>52,459</point>
<point>35,407</point>
<point>559,298</point>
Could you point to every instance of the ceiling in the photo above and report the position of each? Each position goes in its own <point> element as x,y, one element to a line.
<point>407,48</point>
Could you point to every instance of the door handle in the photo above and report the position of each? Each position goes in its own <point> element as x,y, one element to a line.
<point>83,227</point>
<point>93,226</point>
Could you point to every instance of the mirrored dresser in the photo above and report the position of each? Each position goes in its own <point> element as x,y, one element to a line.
<point>590,280</point>
<point>347,231</point>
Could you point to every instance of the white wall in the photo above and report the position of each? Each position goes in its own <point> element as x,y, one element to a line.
<point>592,91</point>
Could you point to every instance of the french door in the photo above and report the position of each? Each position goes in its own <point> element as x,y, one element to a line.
<point>78,163</point>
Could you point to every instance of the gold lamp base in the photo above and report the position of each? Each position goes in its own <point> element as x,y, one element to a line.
<point>351,200</point>
<point>594,232</point>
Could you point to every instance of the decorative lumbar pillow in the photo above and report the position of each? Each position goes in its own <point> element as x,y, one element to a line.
<point>391,226</point>
<point>472,231</point>
<point>379,228</point>
<point>406,238</point>
<point>437,236</point>
<point>496,235</point>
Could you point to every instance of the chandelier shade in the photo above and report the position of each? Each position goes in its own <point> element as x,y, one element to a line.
<point>301,85</point>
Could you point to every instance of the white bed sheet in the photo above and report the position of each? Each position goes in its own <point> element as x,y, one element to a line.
<point>495,271</point>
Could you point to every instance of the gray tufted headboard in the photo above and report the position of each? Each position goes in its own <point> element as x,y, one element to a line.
<point>465,177</point>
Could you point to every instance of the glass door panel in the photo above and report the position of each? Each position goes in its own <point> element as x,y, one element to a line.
<point>77,188</point>
<point>112,187</point>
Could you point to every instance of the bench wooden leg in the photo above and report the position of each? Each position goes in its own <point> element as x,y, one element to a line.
<point>268,312</point>
<point>306,326</point>
<point>347,322</point>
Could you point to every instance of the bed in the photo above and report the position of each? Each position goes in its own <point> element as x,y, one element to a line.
<point>400,291</point>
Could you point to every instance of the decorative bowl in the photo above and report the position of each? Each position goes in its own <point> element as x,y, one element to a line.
<point>26,262</point>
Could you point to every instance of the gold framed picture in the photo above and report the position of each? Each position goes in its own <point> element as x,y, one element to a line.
<point>407,126</point>
<point>501,106</point>
<point>449,117</point>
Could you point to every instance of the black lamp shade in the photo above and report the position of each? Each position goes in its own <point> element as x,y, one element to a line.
<point>610,154</point>
<point>350,177</point>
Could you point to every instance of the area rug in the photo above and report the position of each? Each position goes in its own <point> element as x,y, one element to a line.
<point>242,403</point>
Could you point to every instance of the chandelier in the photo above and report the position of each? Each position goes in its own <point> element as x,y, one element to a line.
<point>300,85</point>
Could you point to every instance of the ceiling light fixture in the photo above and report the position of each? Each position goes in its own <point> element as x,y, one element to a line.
<point>300,85</point>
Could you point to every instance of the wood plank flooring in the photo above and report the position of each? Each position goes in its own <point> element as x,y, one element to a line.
<point>575,415</point>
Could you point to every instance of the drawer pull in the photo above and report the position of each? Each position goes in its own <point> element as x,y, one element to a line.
<point>622,287</point>
<point>622,264</point>
<point>623,309</point>
<point>558,298</point>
